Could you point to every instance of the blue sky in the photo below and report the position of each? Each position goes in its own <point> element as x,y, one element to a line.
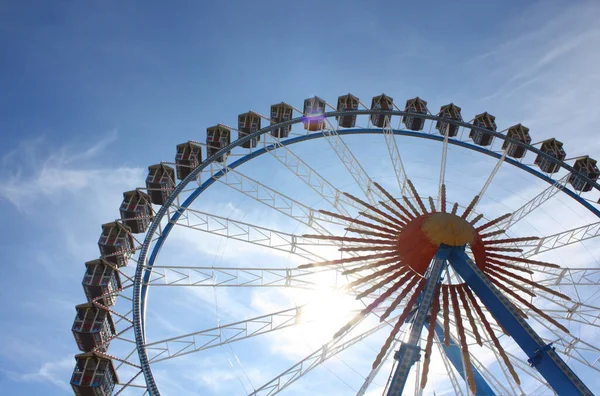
<point>93,92</point>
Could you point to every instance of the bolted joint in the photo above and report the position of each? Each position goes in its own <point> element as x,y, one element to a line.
<point>538,354</point>
<point>408,354</point>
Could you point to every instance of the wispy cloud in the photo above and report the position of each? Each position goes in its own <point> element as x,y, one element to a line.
<point>54,372</point>
<point>36,171</point>
<point>542,71</point>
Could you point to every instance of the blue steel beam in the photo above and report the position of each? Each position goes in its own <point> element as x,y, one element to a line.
<point>408,353</point>
<point>455,357</point>
<point>542,356</point>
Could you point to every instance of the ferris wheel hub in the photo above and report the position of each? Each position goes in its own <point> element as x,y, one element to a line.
<point>447,229</point>
<point>421,237</point>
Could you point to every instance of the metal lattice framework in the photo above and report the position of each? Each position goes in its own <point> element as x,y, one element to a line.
<point>368,262</point>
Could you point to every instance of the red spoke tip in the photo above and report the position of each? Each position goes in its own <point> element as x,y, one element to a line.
<point>511,240</point>
<point>503,249</point>
<point>416,195</point>
<point>454,208</point>
<point>493,222</point>
<point>469,313</point>
<point>409,287</point>
<point>361,222</point>
<point>491,234</point>
<point>401,219</point>
<point>371,233</point>
<point>411,206</point>
<point>476,219</point>
<point>462,338</point>
<point>367,310</point>
<point>385,281</point>
<point>393,226</point>
<point>523,260</point>
<point>443,203</point>
<point>432,205</point>
<point>349,239</point>
<point>532,283</point>
<point>366,248</point>
<point>491,261</point>
<point>388,342</point>
<point>372,265</point>
<point>532,307</point>
<point>377,274</point>
<point>492,335</point>
<point>376,210</point>
<point>491,273</point>
<point>395,201</point>
<point>349,260</point>
<point>360,201</point>
<point>470,207</point>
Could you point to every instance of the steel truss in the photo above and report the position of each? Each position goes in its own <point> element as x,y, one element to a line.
<point>278,201</point>
<point>237,277</point>
<point>247,232</point>
<point>313,360</point>
<point>534,203</point>
<point>392,145</point>
<point>310,177</point>
<point>222,335</point>
<point>354,167</point>
<point>554,241</point>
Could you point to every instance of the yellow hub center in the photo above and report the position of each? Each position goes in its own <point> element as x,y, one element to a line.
<point>448,229</point>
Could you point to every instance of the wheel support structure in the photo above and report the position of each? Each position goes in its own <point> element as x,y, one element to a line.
<point>408,353</point>
<point>540,355</point>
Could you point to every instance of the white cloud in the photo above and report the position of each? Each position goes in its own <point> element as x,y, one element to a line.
<point>56,372</point>
<point>36,172</point>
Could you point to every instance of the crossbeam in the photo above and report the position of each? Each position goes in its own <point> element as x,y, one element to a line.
<point>409,351</point>
<point>223,334</point>
<point>564,238</point>
<point>240,277</point>
<point>542,356</point>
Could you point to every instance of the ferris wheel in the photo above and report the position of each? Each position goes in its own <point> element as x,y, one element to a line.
<point>316,261</point>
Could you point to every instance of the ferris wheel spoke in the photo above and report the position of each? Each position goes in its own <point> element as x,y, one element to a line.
<point>442,177</point>
<point>310,177</point>
<point>572,310</point>
<point>555,241</point>
<point>526,368</point>
<point>222,335</point>
<point>491,380</point>
<point>278,201</point>
<point>250,233</point>
<point>375,370</point>
<point>487,183</point>
<point>570,276</point>
<point>199,276</point>
<point>396,159</point>
<point>328,350</point>
<point>569,349</point>
<point>355,169</point>
<point>129,383</point>
<point>534,203</point>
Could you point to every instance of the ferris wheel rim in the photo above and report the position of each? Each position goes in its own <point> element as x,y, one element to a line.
<point>143,269</point>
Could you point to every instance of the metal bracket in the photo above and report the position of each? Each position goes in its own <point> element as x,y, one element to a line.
<point>538,354</point>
